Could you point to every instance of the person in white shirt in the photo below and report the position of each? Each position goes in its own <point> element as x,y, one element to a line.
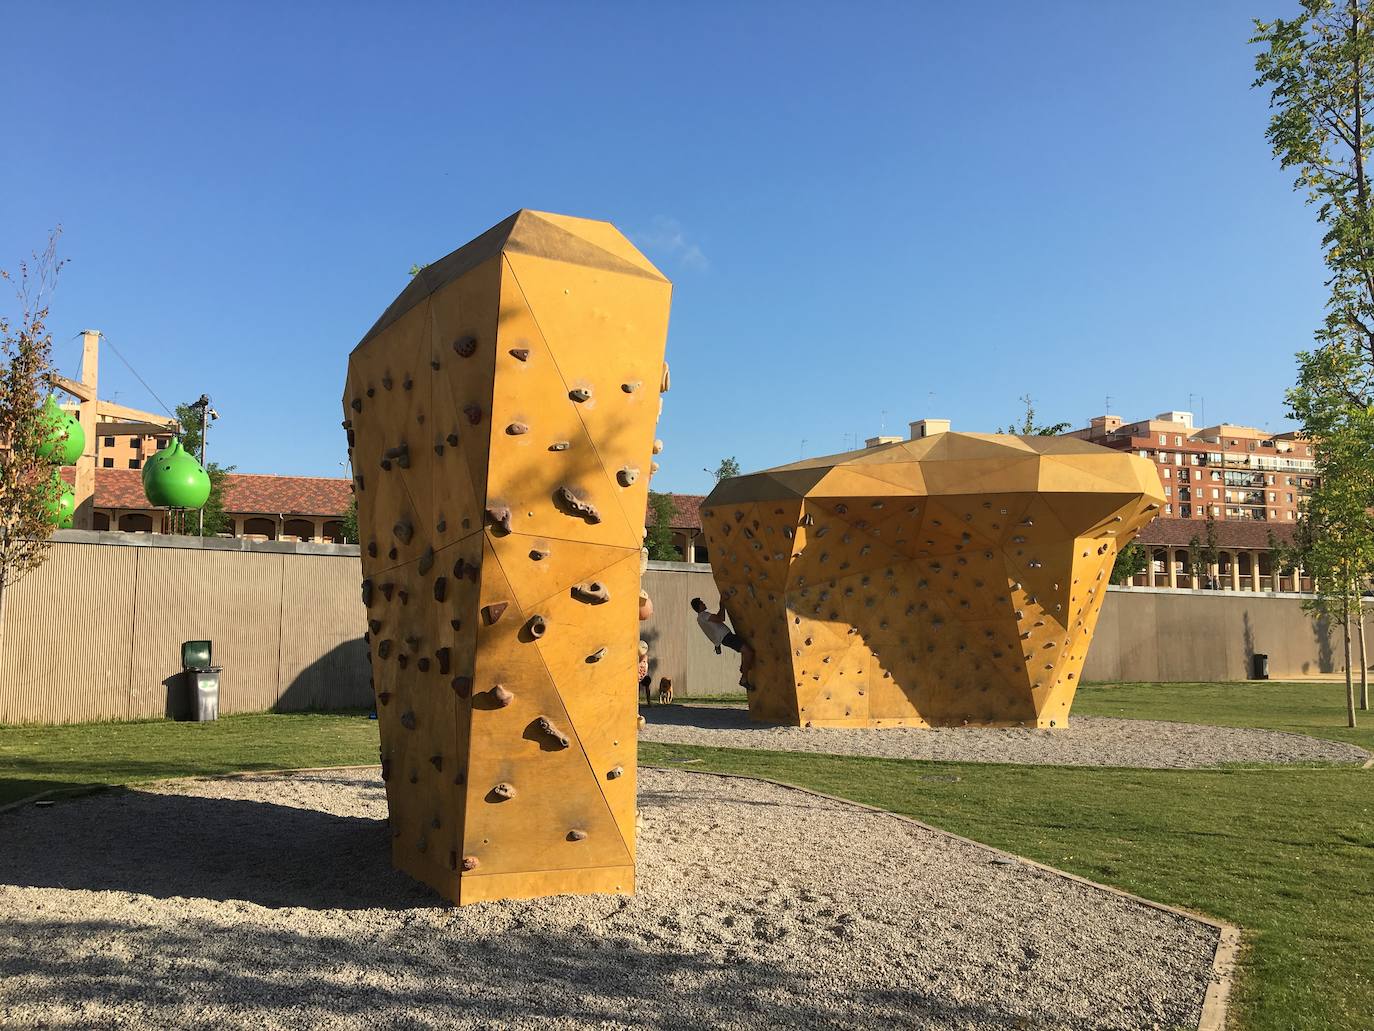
<point>713,625</point>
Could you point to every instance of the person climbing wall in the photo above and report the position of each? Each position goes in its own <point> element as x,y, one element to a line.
<point>720,635</point>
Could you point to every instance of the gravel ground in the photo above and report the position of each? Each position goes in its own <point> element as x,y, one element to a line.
<point>1087,741</point>
<point>269,902</point>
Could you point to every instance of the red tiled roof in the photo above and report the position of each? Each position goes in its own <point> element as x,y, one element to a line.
<point>688,515</point>
<point>253,493</point>
<point>1251,534</point>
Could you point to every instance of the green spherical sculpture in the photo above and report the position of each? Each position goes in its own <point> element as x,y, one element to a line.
<point>174,479</point>
<point>63,439</point>
<point>61,504</point>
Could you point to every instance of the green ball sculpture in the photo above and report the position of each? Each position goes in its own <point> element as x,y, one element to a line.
<point>62,505</point>
<point>63,438</point>
<point>174,479</point>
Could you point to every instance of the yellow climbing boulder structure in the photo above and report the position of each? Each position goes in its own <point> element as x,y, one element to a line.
<point>500,420</point>
<point>948,580</point>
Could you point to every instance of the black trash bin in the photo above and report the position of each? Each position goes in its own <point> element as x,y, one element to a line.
<point>202,680</point>
<point>1259,666</point>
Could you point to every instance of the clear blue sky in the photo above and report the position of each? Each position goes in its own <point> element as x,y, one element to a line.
<point>901,208</point>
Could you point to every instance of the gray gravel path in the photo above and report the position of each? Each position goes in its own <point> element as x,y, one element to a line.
<point>1087,741</point>
<point>269,902</point>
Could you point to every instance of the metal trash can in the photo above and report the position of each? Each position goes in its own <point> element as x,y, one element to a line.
<point>1259,666</point>
<point>202,680</point>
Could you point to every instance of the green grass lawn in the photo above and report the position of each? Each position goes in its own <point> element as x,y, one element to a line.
<point>34,759</point>
<point>1288,854</point>
<point>1308,707</point>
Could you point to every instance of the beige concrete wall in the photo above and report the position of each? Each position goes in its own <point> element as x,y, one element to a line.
<point>96,631</point>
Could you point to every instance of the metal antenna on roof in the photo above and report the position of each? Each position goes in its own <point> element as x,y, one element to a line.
<point>1107,405</point>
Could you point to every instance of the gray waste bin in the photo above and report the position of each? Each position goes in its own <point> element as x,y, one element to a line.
<point>1259,666</point>
<point>202,680</point>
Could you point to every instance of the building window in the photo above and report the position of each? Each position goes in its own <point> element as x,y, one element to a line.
<point>1215,494</point>
<point>107,463</point>
<point>162,442</point>
<point>1168,492</point>
<point>301,529</point>
<point>259,527</point>
<point>1164,438</point>
<point>1163,458</point>
<point>1273,514</point>
<point>1178,441</point>
<point>1216,509</point>
<point>108,442</point>
<point>100,520</point>
<point>136,522</point>
<point>1193,459</point>
<point>134,463</point>
<point>1290,513</point>
<point>1288,498</point>
<point>1272,496</point>
<point>1269,480</point>
<point>1178,458</point>
<point>1215,475</point>
<point>1165,474</point>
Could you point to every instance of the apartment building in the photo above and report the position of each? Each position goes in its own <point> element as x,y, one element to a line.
<point>1226,471</point>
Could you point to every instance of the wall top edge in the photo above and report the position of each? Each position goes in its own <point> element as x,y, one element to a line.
<point>121,539</point>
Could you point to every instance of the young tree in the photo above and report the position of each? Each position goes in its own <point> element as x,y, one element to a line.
<point>1211,553</point>
<point>216,520</point>
<point>659,523</point>
<point>1030,428</point>
<point>1130,560</point>
<point>728,467</point>
<point>349,523</point>
<point>28,489</point>
<point>1319,69</point>
<point>1195,567</point>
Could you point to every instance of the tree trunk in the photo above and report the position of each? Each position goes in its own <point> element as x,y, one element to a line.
<point>1349,680</point>
<point>1364,659</point>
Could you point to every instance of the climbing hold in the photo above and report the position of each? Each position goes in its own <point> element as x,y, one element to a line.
<point>597,655</point>
<point>465,346</point>
<point>504,791</point>
<point>537,626</point>
<point>499,517</point>
<point>403,531</point>
<point>452,440</point>
<point>630,388</point>
<point>658,447</point>
<point>520,354</point>
<point>470,863</point>
<point>426,561</point>
<point>545,726</point>
<point>386,382</point>
<point>384,648</point>
<point>407,383</point>
<point>462,686</point>
<point>473,412</point>
<point>387,590</point>
<point>440,587</point>
<point>367,592</point>
<point>627,476</point>
<point>579,507</point>
<point>491,613</point>
<point>502,695</point>
<point>408,720</point>
<point>437,761</point>
<point>580,394</point>
<point>444,655</point>
<point>539,554</point>
<point>593,591</point>
<point>559,445</point>
<point>615,773</point>
<point>517,429</point>
<point>663,383</point>
<point>577,835</point>
<point>356,404</point>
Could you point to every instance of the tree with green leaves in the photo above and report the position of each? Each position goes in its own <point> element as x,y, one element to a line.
<point>1030,428</point>
<point>349,524</point>
<point>1195,567</point>
<point>1211,553</point>
<point>1319,70</point>
<point>1132,559</point>
<point>728,467</point>
<point>217,520</point>
<point>659,524</point>
<point>28,489</point>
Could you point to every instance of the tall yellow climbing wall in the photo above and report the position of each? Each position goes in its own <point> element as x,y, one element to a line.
<point>944,581</point>
<point>500,419</point>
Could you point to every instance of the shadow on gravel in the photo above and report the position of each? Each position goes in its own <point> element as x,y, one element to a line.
<point>270,977</point>
<point>702,717</point>
<point>170,846</point>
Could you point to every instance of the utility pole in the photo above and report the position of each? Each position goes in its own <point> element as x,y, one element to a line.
<point>207,414</point>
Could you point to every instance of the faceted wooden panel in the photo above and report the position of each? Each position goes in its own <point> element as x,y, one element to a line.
<point>945,581</point>
<point>500,419</point>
